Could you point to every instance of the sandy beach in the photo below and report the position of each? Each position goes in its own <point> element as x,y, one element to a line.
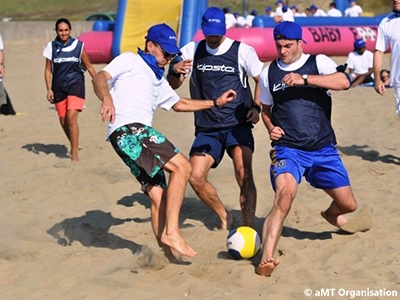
<point>82,231</point>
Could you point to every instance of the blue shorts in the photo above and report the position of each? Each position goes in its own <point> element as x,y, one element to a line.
<point>145,151</point>
<point>216,142</point>
<point>323,168</point>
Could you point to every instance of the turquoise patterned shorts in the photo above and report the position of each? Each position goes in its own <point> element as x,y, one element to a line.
<point>145,151</point>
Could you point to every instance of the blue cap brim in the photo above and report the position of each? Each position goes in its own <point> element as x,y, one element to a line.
<point>171,49</point>
<point>209,30</point>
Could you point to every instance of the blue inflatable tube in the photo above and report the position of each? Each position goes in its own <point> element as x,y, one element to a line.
<point>265,22</point>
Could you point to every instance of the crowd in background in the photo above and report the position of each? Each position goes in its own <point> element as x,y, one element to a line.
<point>282,12</point>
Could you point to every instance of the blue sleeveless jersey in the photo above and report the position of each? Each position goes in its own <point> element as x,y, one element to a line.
<point>68,78</point>
<point>303,112</point>
<point>212,75</point>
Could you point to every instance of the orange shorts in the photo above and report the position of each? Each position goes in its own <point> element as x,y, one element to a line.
<point>71,102</point>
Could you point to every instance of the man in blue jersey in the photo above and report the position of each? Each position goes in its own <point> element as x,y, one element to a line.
<point>217,63</point>
<point>296,110</point>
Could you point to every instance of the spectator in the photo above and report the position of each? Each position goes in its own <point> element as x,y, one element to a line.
<point>6,107</point>
<point>385,77</point>
<point>269,12</point>
<point>354,10</point>
<point>285,14</point>
<point>317,12</point>
<point>360,64</point>
<point>250,18</point>
<point>230,19</point>
<point>296,12</point>
<point>333,11</point>
<point>240,20</point>
<point>389,37</point>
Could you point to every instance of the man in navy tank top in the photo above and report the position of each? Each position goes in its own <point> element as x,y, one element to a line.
<point>296,110</point>
<point>217,63</point>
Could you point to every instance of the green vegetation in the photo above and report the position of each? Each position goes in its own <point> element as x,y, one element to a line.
<point>76,10</point>
<point>50,10</point>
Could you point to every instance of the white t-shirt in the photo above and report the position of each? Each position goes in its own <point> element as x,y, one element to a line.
<point>230,20</point>
<point>325,66</point>
<point>248,60</point>
<point>319,13</point>
<point>353,11</point>
<point>334,12</point>
<point>136,91</point>
<point>286,16</point>
<point>249,20</point>
<point>240,21</point>
<point>1,49</point>
<point>389,36</point>
<point>360,63</point>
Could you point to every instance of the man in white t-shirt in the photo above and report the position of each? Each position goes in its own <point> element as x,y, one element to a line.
<point>389,36</point>
<point>230,19</point>
<point>333,11</point>
<point>240,20</point>
<point>138,88</point>
<point>354,10</point>
<point>3,97</point>
<point>6,107</point>
<point>283,13</point>
<point>269,12</point>
<point>250,17</point>
<point>360,64</point>
<point>317,12</point>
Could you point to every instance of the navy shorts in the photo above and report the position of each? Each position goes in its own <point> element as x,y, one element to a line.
<point>145,151</point>
<point>322,168</point>
<point>216,142</point>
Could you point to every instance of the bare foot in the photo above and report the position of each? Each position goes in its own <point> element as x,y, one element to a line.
<point>265,268</point>
<point>333,219</point>
<point>74,158</point>
<point>361,222</point>
<point>176,242</point>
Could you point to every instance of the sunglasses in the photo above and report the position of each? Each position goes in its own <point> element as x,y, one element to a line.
<point>166,55</point>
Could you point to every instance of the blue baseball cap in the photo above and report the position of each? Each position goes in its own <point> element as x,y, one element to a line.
<point>213,22</point>
<point>165,36</point>
<point>279,2</point>
<point>253,12</point>
<point>288,30</point>
<point>293,7</point>
<point>268,9</point>
<point>359,43</point>
<point>312,7</point>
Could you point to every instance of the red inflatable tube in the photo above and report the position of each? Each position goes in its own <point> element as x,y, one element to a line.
<point>328,40</point>
<point>98,45</point>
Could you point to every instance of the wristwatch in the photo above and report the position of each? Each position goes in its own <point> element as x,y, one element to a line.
<point>305,78</point>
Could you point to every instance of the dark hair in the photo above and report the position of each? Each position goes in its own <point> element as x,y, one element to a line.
<point>333,4</point>
<point>384,70</point>
<point>62,20</point>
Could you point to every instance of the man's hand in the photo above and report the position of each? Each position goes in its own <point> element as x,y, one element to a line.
<point>107,111</point>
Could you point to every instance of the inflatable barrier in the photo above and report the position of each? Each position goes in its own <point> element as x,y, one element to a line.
<point>329,40</point>
<point>327,35</point>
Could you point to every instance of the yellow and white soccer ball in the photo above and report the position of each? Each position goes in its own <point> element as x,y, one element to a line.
<point>243,242</point>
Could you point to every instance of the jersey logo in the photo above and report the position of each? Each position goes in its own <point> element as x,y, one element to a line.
<point>215,68</point>
<point>59,60</point>
<point>279,86</point>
